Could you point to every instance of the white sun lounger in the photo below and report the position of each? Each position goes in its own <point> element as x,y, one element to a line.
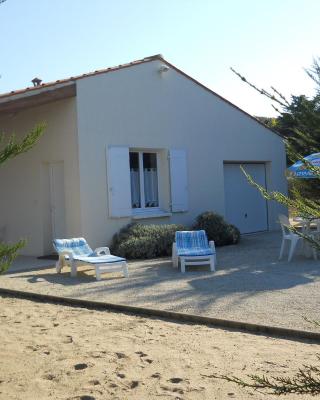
<point>193,248</point>
<point>72,251</point>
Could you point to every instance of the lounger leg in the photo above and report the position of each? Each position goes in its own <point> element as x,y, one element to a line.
<point>213,248</point>
<point>212,267</point>
<point>125,270</point>
<point>73,268</point>
<point>98,275</point>
<point>175,259</point>
<point>183,265</point>
<point>59,265</point>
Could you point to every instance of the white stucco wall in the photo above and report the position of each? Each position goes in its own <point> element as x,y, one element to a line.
<point>139,108</point>
<point>24,191</point>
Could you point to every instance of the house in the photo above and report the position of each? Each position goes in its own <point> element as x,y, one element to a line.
<point>140,142</point>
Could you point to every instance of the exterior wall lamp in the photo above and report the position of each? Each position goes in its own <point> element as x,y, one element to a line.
<point>163,68</point>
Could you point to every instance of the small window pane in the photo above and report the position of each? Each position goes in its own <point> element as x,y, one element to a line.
<point>150,174</point>
<point>135,180</point>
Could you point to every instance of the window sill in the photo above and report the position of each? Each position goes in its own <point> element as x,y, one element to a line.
<point>154,214</point>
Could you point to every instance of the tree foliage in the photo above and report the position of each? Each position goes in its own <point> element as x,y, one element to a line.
<point>299,117</point>
<point>8,253</point>
<point>302,206</point>
<point>314,72</point>
<point>299,123</point>
<point>305,381</point>
<point>10,148</point>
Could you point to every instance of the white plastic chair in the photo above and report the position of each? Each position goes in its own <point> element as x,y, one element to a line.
<point>288,235</point>
<point>316,222</point>
<point>309,227</point>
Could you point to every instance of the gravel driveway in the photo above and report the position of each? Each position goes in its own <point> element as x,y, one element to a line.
<point>250,284</point>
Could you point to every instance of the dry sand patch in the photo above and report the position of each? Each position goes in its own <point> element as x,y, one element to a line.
<point>50,351</point>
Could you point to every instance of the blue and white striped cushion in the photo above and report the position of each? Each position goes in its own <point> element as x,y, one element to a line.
<point>76,246</point>
<point>193,243</point>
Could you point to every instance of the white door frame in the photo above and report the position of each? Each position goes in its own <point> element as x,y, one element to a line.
<point>57,230</point>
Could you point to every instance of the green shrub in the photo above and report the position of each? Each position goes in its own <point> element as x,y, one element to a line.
<point>138,241</point>
<point>217,228</point>
<point>144,241</point>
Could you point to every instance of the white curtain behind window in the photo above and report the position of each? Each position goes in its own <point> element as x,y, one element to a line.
<point>135,188</point>
<point>151,187</point>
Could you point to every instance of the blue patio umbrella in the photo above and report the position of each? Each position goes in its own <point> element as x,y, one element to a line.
<point>300,170</point>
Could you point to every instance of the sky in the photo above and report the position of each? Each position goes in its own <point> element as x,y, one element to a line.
<point>270,42</point>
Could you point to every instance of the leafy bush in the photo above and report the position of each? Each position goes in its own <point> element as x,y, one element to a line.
<point>217,228</point>
<point>144,241</point>
<point>138,241</point>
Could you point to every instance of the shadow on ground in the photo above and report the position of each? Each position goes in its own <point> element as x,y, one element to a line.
<point>249,284</point>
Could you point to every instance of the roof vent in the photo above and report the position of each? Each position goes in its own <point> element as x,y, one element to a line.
<point>36,81</point>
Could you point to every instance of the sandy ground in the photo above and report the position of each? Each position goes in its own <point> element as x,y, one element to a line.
<point>50,351</point>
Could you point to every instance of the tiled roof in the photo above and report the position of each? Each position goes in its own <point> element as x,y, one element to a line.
<point>74,78</point>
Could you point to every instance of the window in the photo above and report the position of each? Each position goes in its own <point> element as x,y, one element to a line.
<point>142,185</point>
<point>144,180</point>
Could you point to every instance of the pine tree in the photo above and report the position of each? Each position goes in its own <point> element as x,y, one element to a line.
<point>299,118</point>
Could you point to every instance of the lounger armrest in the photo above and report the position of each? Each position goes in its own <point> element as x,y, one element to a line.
<point>62,261</point>
<point>212,246</point>
<point>66,253</point>
<point>102,250</point>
